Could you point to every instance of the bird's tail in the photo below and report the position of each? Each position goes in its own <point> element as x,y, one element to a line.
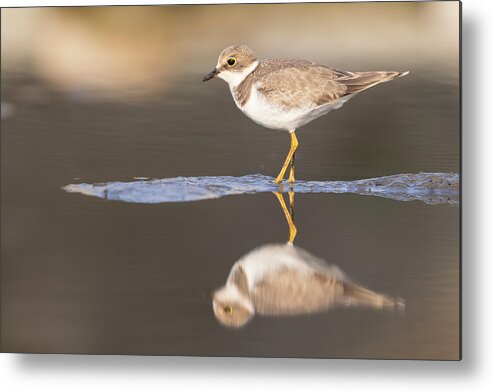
<point>355,295</point>
<point>360,81</point>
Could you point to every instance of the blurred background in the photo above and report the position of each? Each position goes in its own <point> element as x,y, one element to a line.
<point>113,93</point>
<point>123,52</point>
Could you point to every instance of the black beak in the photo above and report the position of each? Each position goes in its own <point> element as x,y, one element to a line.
<point>210,75</point>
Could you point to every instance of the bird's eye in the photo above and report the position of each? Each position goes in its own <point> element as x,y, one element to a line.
<point>228,310</point>
<point>231,61</point>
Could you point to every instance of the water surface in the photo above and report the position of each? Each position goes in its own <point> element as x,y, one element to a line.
<point>88,275</point>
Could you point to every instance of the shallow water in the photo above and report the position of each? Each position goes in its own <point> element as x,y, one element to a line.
<point>88,275</point>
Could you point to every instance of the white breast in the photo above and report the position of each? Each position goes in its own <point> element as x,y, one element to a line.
<point>268,259</point>
<point>270,115</point>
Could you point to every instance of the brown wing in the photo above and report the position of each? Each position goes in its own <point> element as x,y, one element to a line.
<point>356,82</point>
<point>298,83</point>
<point>288,291</point>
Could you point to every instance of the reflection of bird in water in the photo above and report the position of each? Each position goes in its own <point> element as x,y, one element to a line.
<point>283,279</point>
<point>287,94</point>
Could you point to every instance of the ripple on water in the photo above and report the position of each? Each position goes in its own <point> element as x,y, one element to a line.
<point>430,188</point>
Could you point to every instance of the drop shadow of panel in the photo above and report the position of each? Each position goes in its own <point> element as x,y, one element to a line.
<point>471,167</point>
<point>234,367</point>
<point>430,188</point>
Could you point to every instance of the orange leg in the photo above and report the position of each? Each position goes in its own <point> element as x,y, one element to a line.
<point>289,160</point>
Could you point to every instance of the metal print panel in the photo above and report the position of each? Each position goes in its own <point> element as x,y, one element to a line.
<point>232,180</point>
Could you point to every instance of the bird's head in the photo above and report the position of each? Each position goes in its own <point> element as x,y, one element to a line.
<point>234,64</point>
<point>231,308</point>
